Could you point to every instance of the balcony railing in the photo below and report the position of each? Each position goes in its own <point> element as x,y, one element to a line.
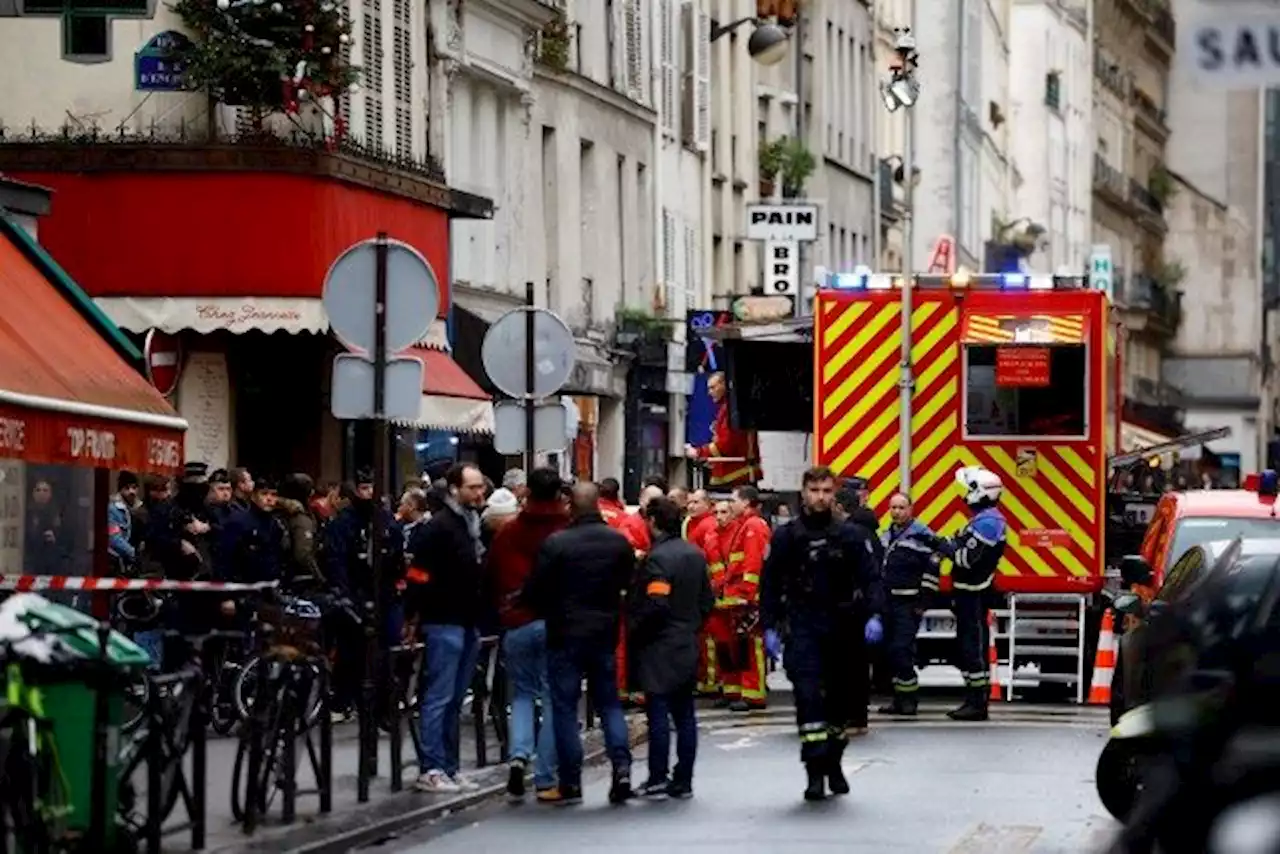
<point>1112,76</point>
<point>1150,116</point>
<point>1144,292</point>
<point>1108,179</point>
<point>1164,29</point>
<point>1145,198</point>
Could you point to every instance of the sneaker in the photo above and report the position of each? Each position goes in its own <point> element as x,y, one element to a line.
<point>464,784</point>
<point>436,782</point>
<point>654,788</point>
<point>568,796</point>
<point>515,780</point>
<point>679,791</point>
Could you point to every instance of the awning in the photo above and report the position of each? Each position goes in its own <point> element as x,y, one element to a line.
<point>68,394</point>
<point>231,314</point>
<point>1180,445</point>
<point>1135,438</point>
<point>451,400</point>
<point>1024,329</point>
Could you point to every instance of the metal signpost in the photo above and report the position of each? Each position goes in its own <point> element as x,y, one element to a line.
<point>381,296</point>
<point>527,423</point>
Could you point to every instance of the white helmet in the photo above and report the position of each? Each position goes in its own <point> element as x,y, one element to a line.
<point>979,485</point>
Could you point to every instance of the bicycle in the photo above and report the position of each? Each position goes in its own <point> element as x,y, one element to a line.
<point>289,696</point>
<point>34,794</point>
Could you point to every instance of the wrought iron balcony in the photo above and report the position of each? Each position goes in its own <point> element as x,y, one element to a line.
<point>1144,292</point>
<point>1150,117</point>
<point>1112,76</point>
<point>1109,181</point>
<point>1162,32</point>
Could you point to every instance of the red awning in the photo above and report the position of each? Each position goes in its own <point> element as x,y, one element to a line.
<point>442,375</point>
<point>67,395</point>
<point>451,400</point>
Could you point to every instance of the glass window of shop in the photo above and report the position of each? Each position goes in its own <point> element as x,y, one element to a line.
<point>47,520</point>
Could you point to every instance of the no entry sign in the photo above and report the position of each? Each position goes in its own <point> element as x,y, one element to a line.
<point>163,355</point>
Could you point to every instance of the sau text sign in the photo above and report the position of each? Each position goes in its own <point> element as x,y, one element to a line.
<point>1230,45</point>
<point>1021,367</point>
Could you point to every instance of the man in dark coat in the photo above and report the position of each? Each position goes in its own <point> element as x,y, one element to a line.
<point>577,586</point>
<point>671,600</point>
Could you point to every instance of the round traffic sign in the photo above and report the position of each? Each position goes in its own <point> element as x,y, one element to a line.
<point>413,296</point>
<point>162,357</point>
<point>504,348</point>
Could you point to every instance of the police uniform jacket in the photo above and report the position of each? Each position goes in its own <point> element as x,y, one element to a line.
<point>822,572</point>
<point>910,564</point>
<point>252,547</point>
<point>976,551</point>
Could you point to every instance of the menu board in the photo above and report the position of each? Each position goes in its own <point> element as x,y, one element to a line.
<point>204,399</point>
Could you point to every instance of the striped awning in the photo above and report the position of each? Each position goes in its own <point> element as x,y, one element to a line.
<point>1024,329</point>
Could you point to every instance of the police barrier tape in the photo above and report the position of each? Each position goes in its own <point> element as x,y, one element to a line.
<point>27,583</point>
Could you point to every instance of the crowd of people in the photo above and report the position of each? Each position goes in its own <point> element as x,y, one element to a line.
<point>682,596</point>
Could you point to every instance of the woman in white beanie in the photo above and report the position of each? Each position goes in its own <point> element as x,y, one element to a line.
<point>500,510</point>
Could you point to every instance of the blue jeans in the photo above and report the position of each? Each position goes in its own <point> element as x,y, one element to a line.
<point>525,652</point>
<point>678,708</point>
<point>152,642</point>
<point>566,668</point>
<point>449,663</point>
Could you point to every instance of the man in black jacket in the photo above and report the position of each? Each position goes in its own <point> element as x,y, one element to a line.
<point>442,593</point>
<point>670,602</point>
<point>577,586</point>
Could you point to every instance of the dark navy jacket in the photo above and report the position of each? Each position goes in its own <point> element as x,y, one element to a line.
<point>346,551</point>
<point>976,551</point>
<point>821,573</point>
<point>251,547</point>
<point>909,560</point>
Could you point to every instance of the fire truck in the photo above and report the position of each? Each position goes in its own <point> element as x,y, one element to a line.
<point>1013,372</point>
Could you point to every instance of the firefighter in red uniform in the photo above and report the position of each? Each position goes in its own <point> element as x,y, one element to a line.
<point>698,528</point>
<point>743,466</point>
<point>719,627</point>
<point>744,545</point>
<point>634,527</point>
<point>610,503</point>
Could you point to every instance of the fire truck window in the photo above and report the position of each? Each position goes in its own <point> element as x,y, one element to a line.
<point>1026,390</point>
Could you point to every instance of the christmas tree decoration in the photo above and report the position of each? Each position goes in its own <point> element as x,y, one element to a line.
<point>266,57</point>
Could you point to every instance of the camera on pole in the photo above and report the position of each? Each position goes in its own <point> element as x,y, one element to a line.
<point>901,88</point>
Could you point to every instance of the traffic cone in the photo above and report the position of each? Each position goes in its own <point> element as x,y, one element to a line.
<point>1104,663</point>
<point>993,661</point>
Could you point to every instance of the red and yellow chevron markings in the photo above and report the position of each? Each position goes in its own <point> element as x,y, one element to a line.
<point>1001,328</point>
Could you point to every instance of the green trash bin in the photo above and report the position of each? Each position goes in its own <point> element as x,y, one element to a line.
<point>69,704</point>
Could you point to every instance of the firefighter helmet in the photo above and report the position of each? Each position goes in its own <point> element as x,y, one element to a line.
<point>980,486</point>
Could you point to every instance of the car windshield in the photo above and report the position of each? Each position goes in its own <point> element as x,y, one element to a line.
<point>1199,530</point>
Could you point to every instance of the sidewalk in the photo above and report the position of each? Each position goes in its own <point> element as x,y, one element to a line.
<point>349,822</point>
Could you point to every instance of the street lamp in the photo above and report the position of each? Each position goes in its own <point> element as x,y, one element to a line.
<point>901,90</point>
<point>767,45</point>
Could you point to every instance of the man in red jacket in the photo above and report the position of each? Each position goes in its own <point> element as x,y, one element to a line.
<point>742,464</point>
<point>524,641</point>
<point>611,506</point>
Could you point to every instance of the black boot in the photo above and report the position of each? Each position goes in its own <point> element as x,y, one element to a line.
<point>903,705</point>
<point>974,707</point>
<point>817,788</point>
<point>835,774</point>
<point>620,792</point>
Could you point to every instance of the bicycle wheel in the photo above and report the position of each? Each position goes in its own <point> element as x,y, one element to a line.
<point>246,685</point>
<point>268,740</point>
<point>21,820</point>
<point>182,705</point>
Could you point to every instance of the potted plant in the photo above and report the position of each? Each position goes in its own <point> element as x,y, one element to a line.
<point>798,164</point>
<point>772,158</point>
<point>1161,185</point>
<point>553,43</point>
<point>636,325</point>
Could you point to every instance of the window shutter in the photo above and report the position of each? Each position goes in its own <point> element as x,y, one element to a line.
<point>670,83</point>
<point>344,52</point>
<point>702,81</point>
<point>633,77</point>
<point>691,267</point>
<point>620,45</point>
<point>372,67</point>
<point>669,255</point>
<point>402,60</point>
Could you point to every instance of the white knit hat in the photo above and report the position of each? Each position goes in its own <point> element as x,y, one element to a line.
<point>502,503</point>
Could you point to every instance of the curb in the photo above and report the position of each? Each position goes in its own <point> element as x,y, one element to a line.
<point>390,816</point>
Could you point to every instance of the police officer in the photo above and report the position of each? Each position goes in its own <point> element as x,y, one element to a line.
<point>910,569</point>
<point>821,588</point>
<point>975,553</point>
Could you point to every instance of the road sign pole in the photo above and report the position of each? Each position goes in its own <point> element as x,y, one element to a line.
<point>530,381</point>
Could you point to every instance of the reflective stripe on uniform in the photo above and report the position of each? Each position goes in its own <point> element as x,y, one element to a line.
<point>734,557</point>
<point>715,567</point>
<point>906,686</point>
<point>730,602</point>
<point>815,732</point>
<point>751,578</point>
<point>963,585</point>
<point>977,680</point>
<point>746,472</point>
<point>905,591</point>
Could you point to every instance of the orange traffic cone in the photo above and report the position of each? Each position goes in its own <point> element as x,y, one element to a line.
<point>993,661</point>
<point>1104,663</point>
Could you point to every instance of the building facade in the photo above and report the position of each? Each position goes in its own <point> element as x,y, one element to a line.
<point>1217,359</point>
<point>271,192</point>
<point>1052,110</point>
<point>967,178</point>
<point>1132,186</point>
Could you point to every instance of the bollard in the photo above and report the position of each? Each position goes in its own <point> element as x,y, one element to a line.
<point>325,781</point>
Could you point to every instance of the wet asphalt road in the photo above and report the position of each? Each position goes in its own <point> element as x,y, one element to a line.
<point>1020,784</point>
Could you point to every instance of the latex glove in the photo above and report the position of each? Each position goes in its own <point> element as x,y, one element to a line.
<point>772,644</point>
<point>874,631</point>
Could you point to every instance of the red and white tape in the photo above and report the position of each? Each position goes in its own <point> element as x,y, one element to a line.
<point>28,583</point>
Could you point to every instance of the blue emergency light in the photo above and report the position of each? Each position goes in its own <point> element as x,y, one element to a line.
<point>1266,482</point>
<point>862,281</point>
